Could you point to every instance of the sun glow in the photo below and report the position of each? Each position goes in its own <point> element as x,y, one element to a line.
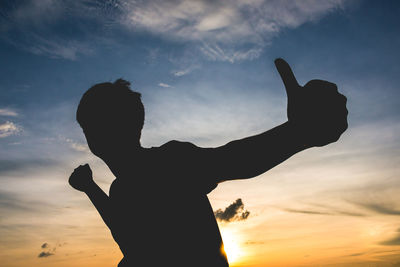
<point>231,246</point>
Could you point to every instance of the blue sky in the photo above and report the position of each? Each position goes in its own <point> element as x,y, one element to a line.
<point>206,74</point>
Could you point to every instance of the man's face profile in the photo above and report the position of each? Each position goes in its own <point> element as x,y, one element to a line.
<point>111,116</point>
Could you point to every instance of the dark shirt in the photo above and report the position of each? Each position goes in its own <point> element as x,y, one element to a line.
<point>162,216</point>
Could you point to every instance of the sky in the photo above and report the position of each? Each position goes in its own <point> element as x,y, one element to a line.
<point>206,74</point>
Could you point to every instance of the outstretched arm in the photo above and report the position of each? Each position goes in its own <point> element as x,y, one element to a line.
<point>81,179</point>
<point>252,156</point>
<point>317,116</point>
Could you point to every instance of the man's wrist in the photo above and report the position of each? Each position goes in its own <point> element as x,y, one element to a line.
<point>90,186</point>
<point>297,136</point>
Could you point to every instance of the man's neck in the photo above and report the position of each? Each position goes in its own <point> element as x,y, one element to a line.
<point>121,161</point>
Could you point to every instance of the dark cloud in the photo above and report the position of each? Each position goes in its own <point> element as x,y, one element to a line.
<point>332,212</point>
<point>380,208</point>
<point>349,213</point>
<point>50,250</point>
<point>15,165</point>
<point>234,212</point>
<point>45,254</point>
<point>307,212</point>
<point>244,215</point>
<point>12,203</point>
<point>395,241</point>
<point>356,254</point>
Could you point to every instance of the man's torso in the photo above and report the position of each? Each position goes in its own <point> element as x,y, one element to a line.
<point>164,215</point>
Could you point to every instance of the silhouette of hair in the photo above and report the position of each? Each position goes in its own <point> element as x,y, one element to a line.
<point>111,103</point>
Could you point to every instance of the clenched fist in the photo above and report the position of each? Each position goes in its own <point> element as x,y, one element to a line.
<point>316,110</point>
<point>81,178</point>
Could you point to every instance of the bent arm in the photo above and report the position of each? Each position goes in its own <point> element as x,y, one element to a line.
<point>101,201</point>
<point>81,179</point>
<point>252,156</point>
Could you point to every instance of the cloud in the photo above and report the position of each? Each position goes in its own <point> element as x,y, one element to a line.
<point>330,212</point>
<point>216,53</point>
<point>234,212</point>
<point>350,213</point>
<point>164,85</point>
<point>13,165</point>
<point>356,254</point>
<point>307,212</point>
<point>380,208</point>
<point>45,254</point>
<point>179,73</point>
<point>32,26</point>
<point>51,250</point>
<point>185,71</point>
<point>8,128</point>
<point>11,203</point>
<point>80,147</point>
<point>231,30</point>
<point>228,31</point>
<point>153,54</point>
<point>22,204</point>
<point>66,49</point>
<point>8,112</point>
<point>393,241</point>
<point>226,22</point>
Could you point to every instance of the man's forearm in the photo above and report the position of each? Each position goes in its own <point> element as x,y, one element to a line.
<point>101,202</point>
<point>254,155</point>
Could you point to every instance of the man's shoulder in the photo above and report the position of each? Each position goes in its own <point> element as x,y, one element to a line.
<point>178,150</point>
<point>180,145</point>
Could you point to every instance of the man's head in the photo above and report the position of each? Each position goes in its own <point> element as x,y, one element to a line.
<point>111,116</point>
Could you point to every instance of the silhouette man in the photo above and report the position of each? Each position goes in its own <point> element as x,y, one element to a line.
<point>157,209</point>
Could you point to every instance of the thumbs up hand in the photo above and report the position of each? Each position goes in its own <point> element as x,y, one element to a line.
<point>317,111</point>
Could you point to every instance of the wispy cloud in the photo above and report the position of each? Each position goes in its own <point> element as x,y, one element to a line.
<point>234,212</point>
<point>20,164</point>
<point>8,112</point>
<point>381,208</point>
<point>184,71</point>
<point>80,147</point>
<point>331,212</point>
<point>308,212</point>
<point>216,53</point>
<point>356,254</point>
<point>179,73</point>
<point>66,49</point>
<point>225,22</point>
<point>324,210</point>
<point>395,241</point>
<point>226,31</point>
<point>164,85</point>
<point>153,54</point>
<point>8,128</point>
<point>31,26</point>
<point>18,205</point>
